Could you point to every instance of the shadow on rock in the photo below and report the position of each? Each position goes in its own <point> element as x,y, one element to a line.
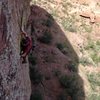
<point>53,62</point>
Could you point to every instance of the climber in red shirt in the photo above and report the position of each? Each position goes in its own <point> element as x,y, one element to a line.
<point>25,45</point>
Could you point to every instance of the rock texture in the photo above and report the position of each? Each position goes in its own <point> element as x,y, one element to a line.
<point>14,76</point>
<point>49,63</point>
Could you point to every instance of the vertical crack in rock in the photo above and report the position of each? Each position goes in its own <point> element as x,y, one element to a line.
<point>3,30</point>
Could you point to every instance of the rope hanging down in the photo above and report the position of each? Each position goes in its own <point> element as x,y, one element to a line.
<point>20,23</point>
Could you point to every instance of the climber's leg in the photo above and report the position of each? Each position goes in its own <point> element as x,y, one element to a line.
<point>24,60</point>
<point>23,56</point>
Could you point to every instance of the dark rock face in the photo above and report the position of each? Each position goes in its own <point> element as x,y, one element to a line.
<point>14,76</point>
<point>53,62</point>
<point>3,29</point>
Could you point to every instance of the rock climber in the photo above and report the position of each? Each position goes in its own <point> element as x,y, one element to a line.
<point>25,46</point>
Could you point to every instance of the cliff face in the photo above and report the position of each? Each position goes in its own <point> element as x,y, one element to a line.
<point>53,62</point>
<point>14,76</point>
